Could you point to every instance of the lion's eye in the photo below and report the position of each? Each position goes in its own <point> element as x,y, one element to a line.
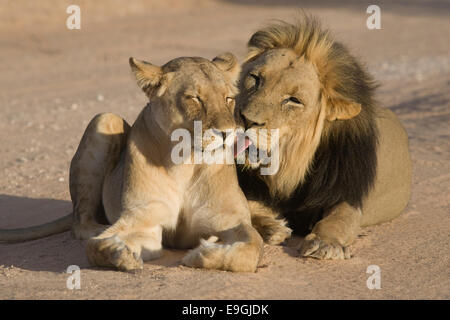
<point>257,79</point>
<point>252,81</point>
<point>292,100</point>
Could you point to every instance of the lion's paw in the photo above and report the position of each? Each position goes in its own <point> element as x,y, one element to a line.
<point>112,252</point>
<point>278,234</point>
<point>314,247</point>
<point>273,231</point>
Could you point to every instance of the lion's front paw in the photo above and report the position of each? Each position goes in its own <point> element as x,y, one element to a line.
<point>273,231</point>
<point>313,246</point>
<point>277,234</point>
<point>112,252</point>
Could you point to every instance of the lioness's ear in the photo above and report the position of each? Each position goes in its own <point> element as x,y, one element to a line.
<point>148,76</point>
<point>228,63</point>
<point>342,109</point>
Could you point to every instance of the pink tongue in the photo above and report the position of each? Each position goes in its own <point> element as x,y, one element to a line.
<point>242,146</point>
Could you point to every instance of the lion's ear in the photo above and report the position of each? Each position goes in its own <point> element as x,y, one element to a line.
<point>228,63</point>
<point>342,109</point>
<point>148,76</point>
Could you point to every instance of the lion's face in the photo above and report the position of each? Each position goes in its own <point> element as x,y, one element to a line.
<point>278,90</point>
<point>281,90</point>
<point>186,90</point>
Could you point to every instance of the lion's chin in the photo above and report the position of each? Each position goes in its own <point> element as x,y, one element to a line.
<point>254,166</point>
<point>251,165</point>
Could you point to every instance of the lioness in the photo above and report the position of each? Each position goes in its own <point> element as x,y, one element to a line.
<point>344,161</point>
<point>127,174</point>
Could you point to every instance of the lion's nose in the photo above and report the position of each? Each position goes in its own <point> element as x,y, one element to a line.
<point>250,123</point>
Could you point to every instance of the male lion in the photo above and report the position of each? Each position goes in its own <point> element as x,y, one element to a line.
<point>127,174</point>
<point>344,161</point>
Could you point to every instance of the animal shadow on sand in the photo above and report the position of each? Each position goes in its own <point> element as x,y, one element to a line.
<point>54,253</point>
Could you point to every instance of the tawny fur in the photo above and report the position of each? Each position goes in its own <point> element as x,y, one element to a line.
<point>130,199</point>
<point>344,161</point>
<point>151,201</point>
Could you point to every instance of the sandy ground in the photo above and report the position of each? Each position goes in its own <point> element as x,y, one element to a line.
<point>54,80</point>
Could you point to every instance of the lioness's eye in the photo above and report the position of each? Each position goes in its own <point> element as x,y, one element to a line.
<point>194,98</point>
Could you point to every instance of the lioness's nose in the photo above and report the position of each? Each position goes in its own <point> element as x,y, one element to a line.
<point>228,136</point>
<point>224,122</point>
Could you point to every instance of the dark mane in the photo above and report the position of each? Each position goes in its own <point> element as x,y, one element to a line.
<point>343,167</point>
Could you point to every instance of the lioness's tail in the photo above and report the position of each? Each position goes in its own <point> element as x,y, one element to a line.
<point>37,232</point>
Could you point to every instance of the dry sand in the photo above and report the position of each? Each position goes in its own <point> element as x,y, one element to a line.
<point>54,80</point>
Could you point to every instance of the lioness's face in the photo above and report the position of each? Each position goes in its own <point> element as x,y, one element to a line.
<point>191,89</point>
<point>278,90</point>
<point>198,91</point>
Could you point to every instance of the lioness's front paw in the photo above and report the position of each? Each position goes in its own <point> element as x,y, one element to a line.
<point>313,246</point>
<point>112,252</point>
